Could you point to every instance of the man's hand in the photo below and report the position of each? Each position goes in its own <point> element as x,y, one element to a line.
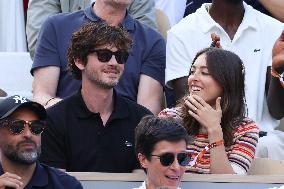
<point>278,54</point>
<point>10,180</point>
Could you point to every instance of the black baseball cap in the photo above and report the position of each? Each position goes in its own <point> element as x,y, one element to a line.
<point>12,103</point>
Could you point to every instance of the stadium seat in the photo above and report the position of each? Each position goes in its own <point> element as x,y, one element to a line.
<point>265,166</point>
<point>15,77</point>
<point>163,22</point>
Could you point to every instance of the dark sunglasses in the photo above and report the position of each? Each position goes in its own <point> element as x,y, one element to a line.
<point>17,126</point>
<point>168,158</point>
<point>104,55</point>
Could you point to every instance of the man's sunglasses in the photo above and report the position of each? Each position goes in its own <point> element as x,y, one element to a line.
<point>168,158</point>
<point>17,126</point>
<point>104,55</point>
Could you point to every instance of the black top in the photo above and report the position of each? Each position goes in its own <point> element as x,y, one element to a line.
<point>49,178</point>
<point>77,140</point>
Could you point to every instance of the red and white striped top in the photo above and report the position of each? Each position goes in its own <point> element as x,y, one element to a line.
<point>240,154</point>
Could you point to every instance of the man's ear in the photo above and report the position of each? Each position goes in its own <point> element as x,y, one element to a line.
<point>79,63</point>
<point>143,160</point>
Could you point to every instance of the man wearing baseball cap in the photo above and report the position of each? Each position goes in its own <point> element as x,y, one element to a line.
<point>21,125</point>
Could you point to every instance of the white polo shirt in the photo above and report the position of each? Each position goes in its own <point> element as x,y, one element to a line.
<point>253,42</point>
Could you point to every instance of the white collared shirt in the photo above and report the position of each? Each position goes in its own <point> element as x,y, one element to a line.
<point>253,42</point>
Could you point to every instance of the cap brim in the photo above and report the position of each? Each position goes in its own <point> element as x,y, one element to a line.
<point>37,108</point>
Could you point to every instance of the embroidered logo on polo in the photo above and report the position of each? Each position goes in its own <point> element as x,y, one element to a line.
<point>20,99</point>
<point>129,144</point>
<point>256,50</point>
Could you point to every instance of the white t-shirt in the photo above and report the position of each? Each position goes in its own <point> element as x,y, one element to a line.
<point>253,42</point>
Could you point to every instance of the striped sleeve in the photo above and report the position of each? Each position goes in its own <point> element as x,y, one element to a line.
<point>245,140</point>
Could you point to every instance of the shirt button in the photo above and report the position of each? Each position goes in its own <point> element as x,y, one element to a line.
<point>79,8</point>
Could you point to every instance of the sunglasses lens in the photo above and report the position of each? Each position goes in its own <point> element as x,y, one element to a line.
<point>16,127</point>
<point>104,55</point>
<point>37,127</point>
<point>121,57</point>
<point>167,159</point>
<point>183,159</point>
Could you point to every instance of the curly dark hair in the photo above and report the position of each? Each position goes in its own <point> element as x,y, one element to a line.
<point>90,36</point>
<point>227,69</point>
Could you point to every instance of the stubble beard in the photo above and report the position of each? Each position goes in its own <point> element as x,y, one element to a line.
<point>21,157</point>
<point>98,79</point>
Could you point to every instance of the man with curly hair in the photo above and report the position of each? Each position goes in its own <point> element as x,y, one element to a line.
<point>144,75</point>
<point>93,130</point>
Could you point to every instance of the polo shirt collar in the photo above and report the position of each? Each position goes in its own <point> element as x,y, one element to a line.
<point>39,178</point>
<point>120,107</point>
<point>207,23</point>
<point>127,23</point>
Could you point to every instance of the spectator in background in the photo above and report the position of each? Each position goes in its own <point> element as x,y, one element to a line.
<point>12,24</point>
<point>39,10</point>
<point>21,125</point>
<point>174,9</point>
<point>272,8</point>
<point>240,28</point>
<point>143,78</point>
<point>160,145</point>
<point>214,114</point>
<point>95,125</point>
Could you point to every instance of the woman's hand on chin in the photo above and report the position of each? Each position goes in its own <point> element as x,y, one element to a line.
<point>205,114</point>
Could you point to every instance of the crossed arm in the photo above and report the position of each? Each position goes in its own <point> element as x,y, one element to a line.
<point>150,94</point>
<point>45,84</point>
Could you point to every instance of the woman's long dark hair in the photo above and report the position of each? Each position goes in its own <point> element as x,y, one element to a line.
<point>228,70</point>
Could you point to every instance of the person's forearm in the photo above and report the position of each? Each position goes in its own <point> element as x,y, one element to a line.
<point>45,85</point>
<point>45,99</point>
<point>37,13</point>
<point>219,163</point>
<point>275,7</point>
<point>150,94</point>
<point>275,100</point>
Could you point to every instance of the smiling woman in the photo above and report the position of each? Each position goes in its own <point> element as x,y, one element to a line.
<point>214,114</point>
<point>160,145</point>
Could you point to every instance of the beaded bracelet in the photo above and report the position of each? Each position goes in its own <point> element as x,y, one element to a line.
<point>274,73</point>
<point>208,147</point>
